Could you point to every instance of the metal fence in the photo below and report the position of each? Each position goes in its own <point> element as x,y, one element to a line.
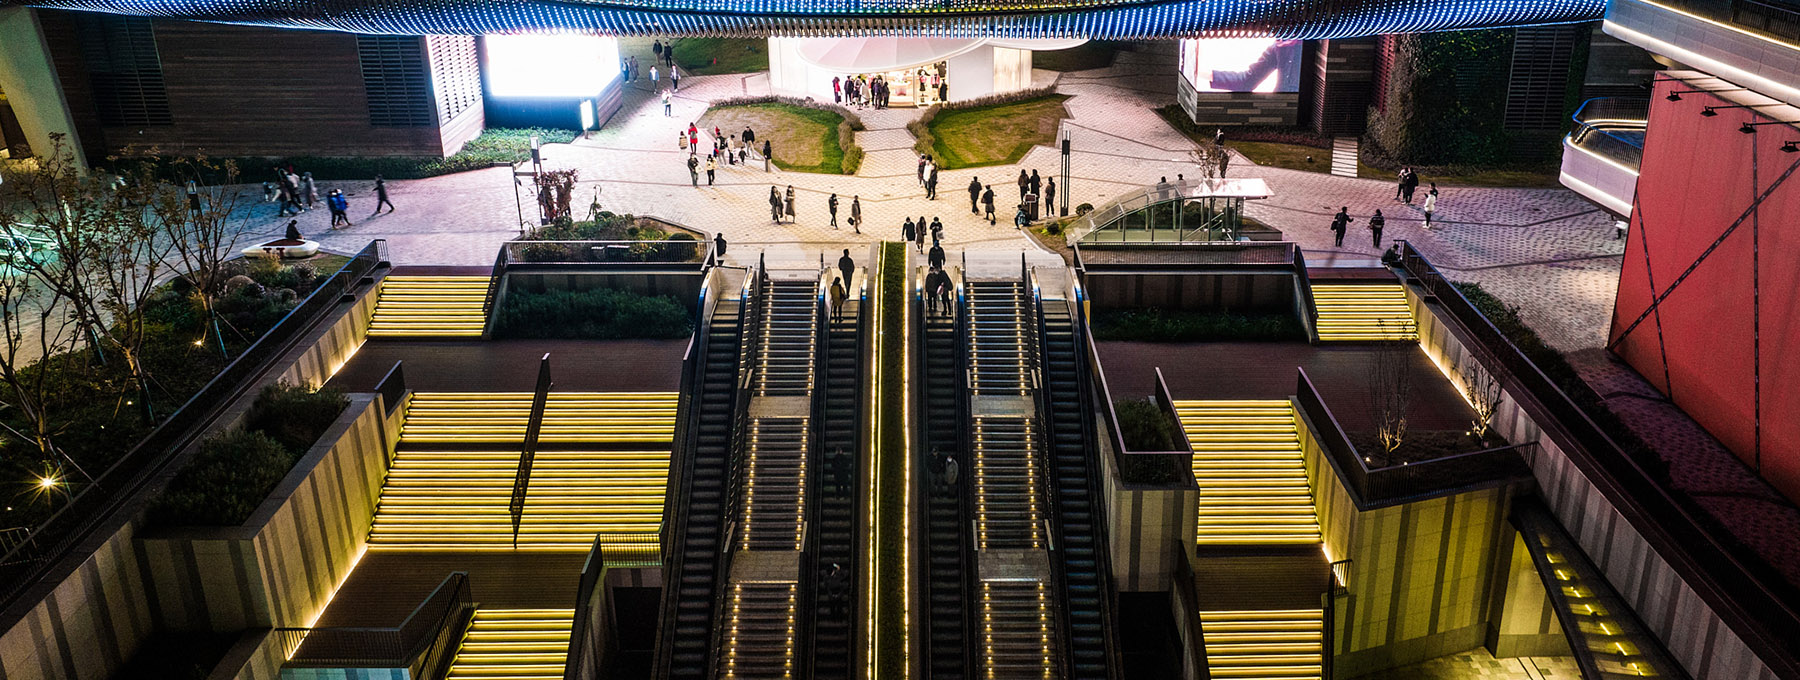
<point>119,484</point>
<point>393,647</point>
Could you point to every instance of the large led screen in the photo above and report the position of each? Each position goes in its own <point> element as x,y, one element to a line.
<point>564,66</point>
<point>1241,64</point>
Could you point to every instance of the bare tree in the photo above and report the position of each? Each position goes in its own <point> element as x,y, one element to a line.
<point>1483,392</point>
<point>1211,159</point>
<point>204,231</point>
<point>1390,394</point>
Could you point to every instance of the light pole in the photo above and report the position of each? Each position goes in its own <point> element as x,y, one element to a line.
<point>1064,210</point>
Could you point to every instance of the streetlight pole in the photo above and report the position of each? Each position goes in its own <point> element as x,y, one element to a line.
<point>1065,175</point>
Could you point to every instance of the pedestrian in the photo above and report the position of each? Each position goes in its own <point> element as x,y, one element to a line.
<point>987,201</point>
<point>1037,184</point>
<point>1412,184</point>
<point>1024,184</point>
<point>693,163</point>
<point>974,195</point>
<point>1218,136</point>
<point>693,134</point>
<point>1400,185</point>
<point>775,204</point>
<point>831,205</point>
<point>1050,195</point>
<point>307,190</point>
<point>837,90</point>
<point>674,77</point>
<point>719,244</point>
<point>656,48</point>
<point>907,232</point>
<point>668,107</point>
<point>950,474</point>
<point>1020,219</point>
<point>748,136</point>
<point>837,590</point>
<point>919,235</point>
<point>846,265</point>
<point>936,257</point>
<point>1431,200</point>
<point>768,154</point>
<point>837,298</point>
<point>634,69</point>
<point>790,203</point>
<point>381,196</point>
<point>937,230</point>
<point>1340,223</point>
<point>1376,222</point>
<point>1224,160</point>
<point>945,286</point>
<point>340,207</point>
<point>718,135</point>
<point>268,192</point>
<point>856,213</point>
<point>653,75</point>
<point>931,180</point>
<point>923,159</point>
<point>931,305</point>
<point>712,166</point>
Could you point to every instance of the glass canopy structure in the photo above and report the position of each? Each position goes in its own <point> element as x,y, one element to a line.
<point>1097,19</point>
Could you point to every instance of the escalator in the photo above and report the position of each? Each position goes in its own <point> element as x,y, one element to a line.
<point>1081,545</point>
<point>693,566</point>
<point>834,521</point>
<point>948,563</point>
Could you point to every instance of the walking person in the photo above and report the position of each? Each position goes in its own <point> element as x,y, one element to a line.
<point>937,230</point>
<point>1024,185</point>
<point>919,235</point>
<point>931,180</point>
<point>907,232</point>
<point>790,203</point>
<point>712,166</point>
<point>1431,201</point>
<point>653,75</point>
<point>1400,185</point>
<point>831,205</point>
<point>693,165</point>
<point>987,201</point>
<point>308,190</point>
<point>837,90</point>
<point>668,107</point>
<point>856,214</point>
<point>775,204</point>
<point>719,244</point>
<point>381,196</point>
<point>846,265</point>
<point>936,257</point>
<point>1412,184</point>
<point>674,78</point>
<point>923,159</point>
<point>748,136</point>
<point>1050,196</point>
<point>1224,161</point>
<point>340,208</point>
<point>1340,223</point>
<point>1376,222</point>
<point>945,286</point>
<point>974,195</point>
<point>768,153</point>
<point>838,294</point>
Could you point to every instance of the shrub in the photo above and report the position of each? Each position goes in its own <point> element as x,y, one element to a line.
<point>1144,426</point>
<point>1084,209</point>
<point>597,314</point>
<point>1137,468</point>
<point>295,415</point>
<point>225,481</point>
<point>1158,325</point>
<point>494,146</point>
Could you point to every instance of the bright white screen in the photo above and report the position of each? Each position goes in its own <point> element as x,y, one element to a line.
<point>1241,64</point>
<point>550,65</point>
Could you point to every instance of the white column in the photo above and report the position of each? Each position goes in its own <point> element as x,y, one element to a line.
<point>32,86</point>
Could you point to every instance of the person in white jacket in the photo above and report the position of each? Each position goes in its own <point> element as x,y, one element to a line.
<point>1430,204</point>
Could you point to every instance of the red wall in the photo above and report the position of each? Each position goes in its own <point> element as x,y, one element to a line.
<point>1697,178</point>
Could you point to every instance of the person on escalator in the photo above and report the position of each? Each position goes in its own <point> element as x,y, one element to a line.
<point>846,265</point>
<point>936,257</point>
<point>838,295</point>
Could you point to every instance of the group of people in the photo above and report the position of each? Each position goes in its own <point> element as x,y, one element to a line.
<point>928,175</point>
<point>938,287</point>
<point>725,149</point>
<point>1403,191</point>
<point>297,193</point>
<point>861,90</point>
<point>1340,223</point>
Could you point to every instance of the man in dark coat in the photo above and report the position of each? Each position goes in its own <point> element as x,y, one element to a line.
<point>974,195</point>
<point>846,265</point>
<point>1340,223</point>
<point>936,257</point>
<point>987,201</point>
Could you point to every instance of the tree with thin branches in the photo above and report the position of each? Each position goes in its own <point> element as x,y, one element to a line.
<point>203,231</point>
<point>1390,394</point>
<point>1483,392</point>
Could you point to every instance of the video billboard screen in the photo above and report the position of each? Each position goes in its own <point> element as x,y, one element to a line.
<point>1241,64</point>
<point>565,66</point>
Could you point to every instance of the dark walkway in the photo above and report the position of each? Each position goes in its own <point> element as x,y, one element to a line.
<point>387,586</point>
<point>511,365</point>
<point>1266,370</point>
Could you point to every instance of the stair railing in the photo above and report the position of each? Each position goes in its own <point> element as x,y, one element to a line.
<point>1308,308</point>
<point>1332,591</point>
<point>528,452</point>
<point>492,300</point>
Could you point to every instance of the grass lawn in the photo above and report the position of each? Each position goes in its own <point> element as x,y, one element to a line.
<point>804,140</point>
<point>995,135</point>
<point>1089,55</point>
<point>713,56</point>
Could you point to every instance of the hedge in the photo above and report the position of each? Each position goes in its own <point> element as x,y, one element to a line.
<point>235,471</point>
<point>492,147</point>
<point>596,314</point>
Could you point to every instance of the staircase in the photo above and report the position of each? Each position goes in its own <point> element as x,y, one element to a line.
<point>835,518</point>
<point>514,644</point>
<point>694,569</point>
<point>1364,312</point>
<point>1018,631</point>
<point>1082,549</point>
<point>1344,156</point>
<point>758,635</point>
<point>430,306</point>
<point>1252,477</point>
<point>450,482</point>
<point>948,643</point>
<point>1285,644</point>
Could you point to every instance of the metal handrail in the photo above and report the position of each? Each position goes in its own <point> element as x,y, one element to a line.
<point>1679,536</point>
<point>392,388</point>
<point>528,450</point>
<point>1303,288</point>
<point>116,488</point>
<point>379,647</point>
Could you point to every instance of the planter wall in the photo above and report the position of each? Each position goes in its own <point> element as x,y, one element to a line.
<point>1269,292</point>
<point>1151,528</point>
<point>538,277</point>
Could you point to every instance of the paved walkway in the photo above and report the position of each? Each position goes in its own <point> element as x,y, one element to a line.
<point>1544,248</point>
